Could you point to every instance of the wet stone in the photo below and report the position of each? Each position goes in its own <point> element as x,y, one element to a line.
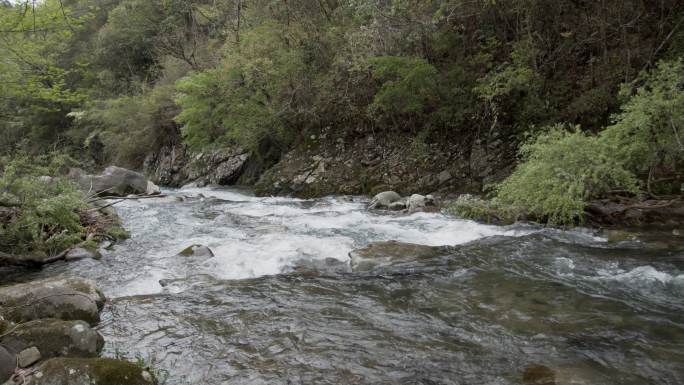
<point>196,251</point>
<point>67,298</point>
<point>55,338</point>
<point>88,371</point>
<point>383,254</point>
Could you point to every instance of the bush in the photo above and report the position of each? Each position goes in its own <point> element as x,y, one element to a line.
<point>647,134</point>
<point>561,170</point>
<point>46,219</point>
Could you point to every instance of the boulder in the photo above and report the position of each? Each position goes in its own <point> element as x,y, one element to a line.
<point>8,363</point>
<point>55,338</point>
<point>417,202</point>
<point>196,251</point>
<point>114,181</point>
<point>66,298</point>
<point>89,371</point>
<point>218,167</point>
<point>383,254</point>
<point>384,200</point>
<point>168,166</point>
<point>82,253</point>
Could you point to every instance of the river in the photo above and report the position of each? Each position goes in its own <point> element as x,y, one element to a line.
<point>277,304</point>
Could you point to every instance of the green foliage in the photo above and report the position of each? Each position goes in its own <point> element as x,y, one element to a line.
<point>408,87</point>
<point>129,127</point>
<point>647,133</point>
<point>47,219</point>
<point>561,170</point>
<point>247,98</point>
<point>482,210</point>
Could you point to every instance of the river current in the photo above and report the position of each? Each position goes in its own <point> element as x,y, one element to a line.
<point>278,304</point>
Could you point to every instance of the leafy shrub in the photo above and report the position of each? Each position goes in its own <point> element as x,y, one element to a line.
<point>561,170</point>
<point>647,133</point>
<point>47,220</point>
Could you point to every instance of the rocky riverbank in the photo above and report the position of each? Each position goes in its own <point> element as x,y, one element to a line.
<point>48,336</point>
<point>48,327</point>
<point>334,164</point>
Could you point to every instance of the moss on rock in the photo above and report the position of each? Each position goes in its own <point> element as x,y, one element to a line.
<point>87,371</point>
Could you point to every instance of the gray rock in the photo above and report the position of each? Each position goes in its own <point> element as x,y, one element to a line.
<point>444,177</point>
<point>152,189</point>
<point>383,254</point>
<point>89,371</point>
<point>8,363</point>
<point>416,201</point>
<point>66,298</point>
<point>196,251</point>
<point>28,357</point>
<point>55,338</point>
<point>114,181</point>
<point>383,200</point>
<point>82,253</point>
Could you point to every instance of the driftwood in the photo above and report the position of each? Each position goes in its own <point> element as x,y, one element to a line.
<point>121,199</point>
<point>127,198</point>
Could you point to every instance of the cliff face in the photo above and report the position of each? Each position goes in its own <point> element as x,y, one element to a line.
<point>175,166</point>
<point>326,164</point>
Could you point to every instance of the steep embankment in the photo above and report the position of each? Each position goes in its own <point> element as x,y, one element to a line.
<point>326,164</point>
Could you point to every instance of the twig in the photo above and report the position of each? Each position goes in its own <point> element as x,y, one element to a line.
<point>105,206</point>
<point>126,198</point>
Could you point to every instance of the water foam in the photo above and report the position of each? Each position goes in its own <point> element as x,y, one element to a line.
<point>255,236</point>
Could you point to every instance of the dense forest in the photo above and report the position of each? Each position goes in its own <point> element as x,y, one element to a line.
<point>587,94</point>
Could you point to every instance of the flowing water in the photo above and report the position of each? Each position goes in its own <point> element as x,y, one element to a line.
<point>279,305</point>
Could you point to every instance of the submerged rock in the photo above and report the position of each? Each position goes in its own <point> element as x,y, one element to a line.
<point>89,371</point>
<point>55,338</point>
<point>384,200</point>
<point>62,298</point>
<point>539,375</point>
<point>196,251</point>
<point>381,254</point>
<point>114,181</point>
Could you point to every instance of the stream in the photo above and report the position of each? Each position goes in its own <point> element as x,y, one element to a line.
<point>278,304</point>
